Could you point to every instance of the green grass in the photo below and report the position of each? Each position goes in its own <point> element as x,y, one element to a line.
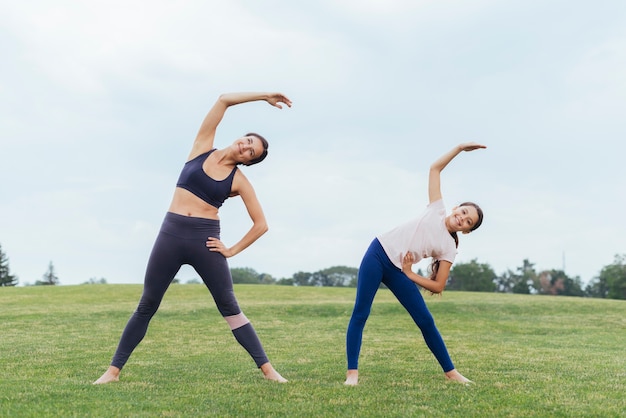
<point>530,356</point>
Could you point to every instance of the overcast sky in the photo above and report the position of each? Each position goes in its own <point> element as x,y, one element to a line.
<point>101,100</point>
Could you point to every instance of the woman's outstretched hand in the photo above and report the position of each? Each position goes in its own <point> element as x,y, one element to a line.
<point>276,98</point>
<point>470,146</point>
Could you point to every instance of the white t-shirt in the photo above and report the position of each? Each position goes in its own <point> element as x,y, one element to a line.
<point>425,236</point>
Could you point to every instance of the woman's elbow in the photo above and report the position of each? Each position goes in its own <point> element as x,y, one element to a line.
<point>435,169</point>
<point>438,286</point>
<point>225,99</point>
<point>261,227</point>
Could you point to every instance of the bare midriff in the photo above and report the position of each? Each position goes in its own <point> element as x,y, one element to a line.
<point>187,204</point>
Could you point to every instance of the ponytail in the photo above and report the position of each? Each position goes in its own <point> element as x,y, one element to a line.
<point>434,265</point>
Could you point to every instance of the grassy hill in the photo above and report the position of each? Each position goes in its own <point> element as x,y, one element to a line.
<point>530,356</point>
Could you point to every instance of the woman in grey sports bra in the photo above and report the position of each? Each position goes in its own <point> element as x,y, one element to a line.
<point>190,233</point>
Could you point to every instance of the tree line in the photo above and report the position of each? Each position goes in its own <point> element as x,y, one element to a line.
<point>471,276</point>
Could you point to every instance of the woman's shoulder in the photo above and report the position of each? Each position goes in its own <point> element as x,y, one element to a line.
<point>437,208</point>
<point>436,204</point>
<point>198,153</point>
<point>239,178</point>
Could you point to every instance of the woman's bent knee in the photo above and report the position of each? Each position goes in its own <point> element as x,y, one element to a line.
<point>236,321</point>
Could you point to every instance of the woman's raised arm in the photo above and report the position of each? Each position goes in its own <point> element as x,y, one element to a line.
<point>434,176</point>
<point>206,134</point>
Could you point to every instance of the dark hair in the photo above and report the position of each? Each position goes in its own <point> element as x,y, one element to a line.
<point>434,266</point>
<point>263,154</point>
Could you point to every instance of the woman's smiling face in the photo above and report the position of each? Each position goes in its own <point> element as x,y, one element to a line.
<point>462,219</point>
<point>248,148</point>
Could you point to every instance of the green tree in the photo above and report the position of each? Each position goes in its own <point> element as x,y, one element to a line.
<point>611,283</point>
<point>244,275</point>
<point>6,278</point>
<point>302,278</point>
<point>556,282</point>
<point>505,282</point>
<point>525,279</point>
<point>285,281</point>
<point>49,278</point>
<point>93,280</point>
<point>472,276</point>
<point>265,278</point>
<point>337,276</point>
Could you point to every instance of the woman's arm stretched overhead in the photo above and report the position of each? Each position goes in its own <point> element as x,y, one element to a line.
<point>434,176</point>
<point>206,133</point>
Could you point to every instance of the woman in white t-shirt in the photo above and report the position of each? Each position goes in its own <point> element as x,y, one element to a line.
<point>391,255</point>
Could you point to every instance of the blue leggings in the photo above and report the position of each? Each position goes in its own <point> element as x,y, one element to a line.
<point>376,268</point>
<point>182,241</point>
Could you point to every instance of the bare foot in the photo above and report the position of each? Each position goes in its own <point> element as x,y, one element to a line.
<point>458,377</point>
<point>271,374</point>
<point>352,378</point>
<point>111,375</point>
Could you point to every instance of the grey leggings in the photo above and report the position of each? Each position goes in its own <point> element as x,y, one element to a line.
<point>182,241</point>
